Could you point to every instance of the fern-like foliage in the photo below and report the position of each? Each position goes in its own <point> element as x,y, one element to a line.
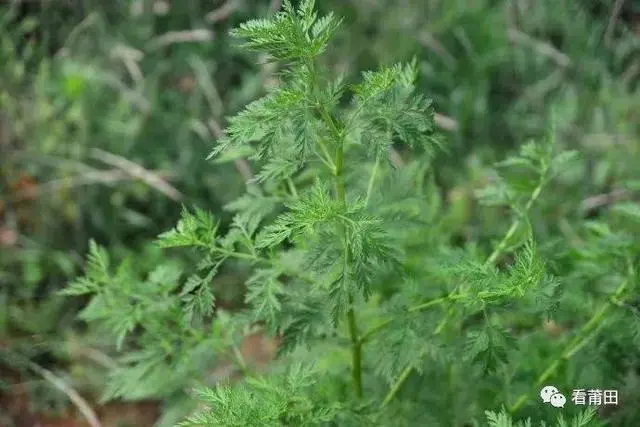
<point>503,419</point>
<point>348,266</point>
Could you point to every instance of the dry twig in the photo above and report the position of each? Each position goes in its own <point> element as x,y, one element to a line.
<point>137,171</point>
<point>86,178</point>
<point>615,13</point>
<point>427,40</point>
<point>594,202</point>
<point>223,12</point>
<point>173,37</point>
<point>130,57</point>
<point>543,48</point>
<point>445,122</point>
<point>80,403</point>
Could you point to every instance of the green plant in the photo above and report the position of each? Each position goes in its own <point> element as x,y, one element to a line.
<point>86,89</point>
<point>353,265</point>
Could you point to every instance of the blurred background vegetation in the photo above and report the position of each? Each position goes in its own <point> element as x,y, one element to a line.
<point>108,109</point>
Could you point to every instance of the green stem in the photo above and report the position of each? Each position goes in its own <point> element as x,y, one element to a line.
<point>407,371</point>
<point>515,224</point>
<point>416,308</point>
<point>372,180</point>
<point>454,295</point>
<point>325,157</point>
<point>292,188</point>
<point>239,358</point>
<point>586,333</point>
<point>356,345</point>
<point>396,386</point>
<point>338,136</point>
<point>356,350</point>
<point>238,255</point>
<point>502,246</point>
<point>339,176</point>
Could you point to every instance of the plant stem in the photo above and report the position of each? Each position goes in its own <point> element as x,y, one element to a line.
<point>454,295</point>
<point>75,398</point>
<point>338,170</point>
<point>396,386</point>
<point>372,180</point>
<point>516,223</point>
<point>292,187</point>
<point>356,345</point>
<point>407,371</point>
<point>586,333</point>
<point>238,255</point>
<point>239,358</point>
<point>416,308</point>
<point>356,350</point>
<point>339,175</point>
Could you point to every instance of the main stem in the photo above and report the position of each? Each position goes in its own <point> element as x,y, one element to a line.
<point>338,135</point>
<point>356,344</point>
<point>356,350</point>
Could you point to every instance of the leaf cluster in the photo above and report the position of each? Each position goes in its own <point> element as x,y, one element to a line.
<point>351,268</point>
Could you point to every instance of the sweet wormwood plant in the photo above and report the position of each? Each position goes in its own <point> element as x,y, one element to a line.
<point>381,320</point>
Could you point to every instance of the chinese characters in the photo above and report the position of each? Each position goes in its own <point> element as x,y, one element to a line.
<point>591,397</point>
